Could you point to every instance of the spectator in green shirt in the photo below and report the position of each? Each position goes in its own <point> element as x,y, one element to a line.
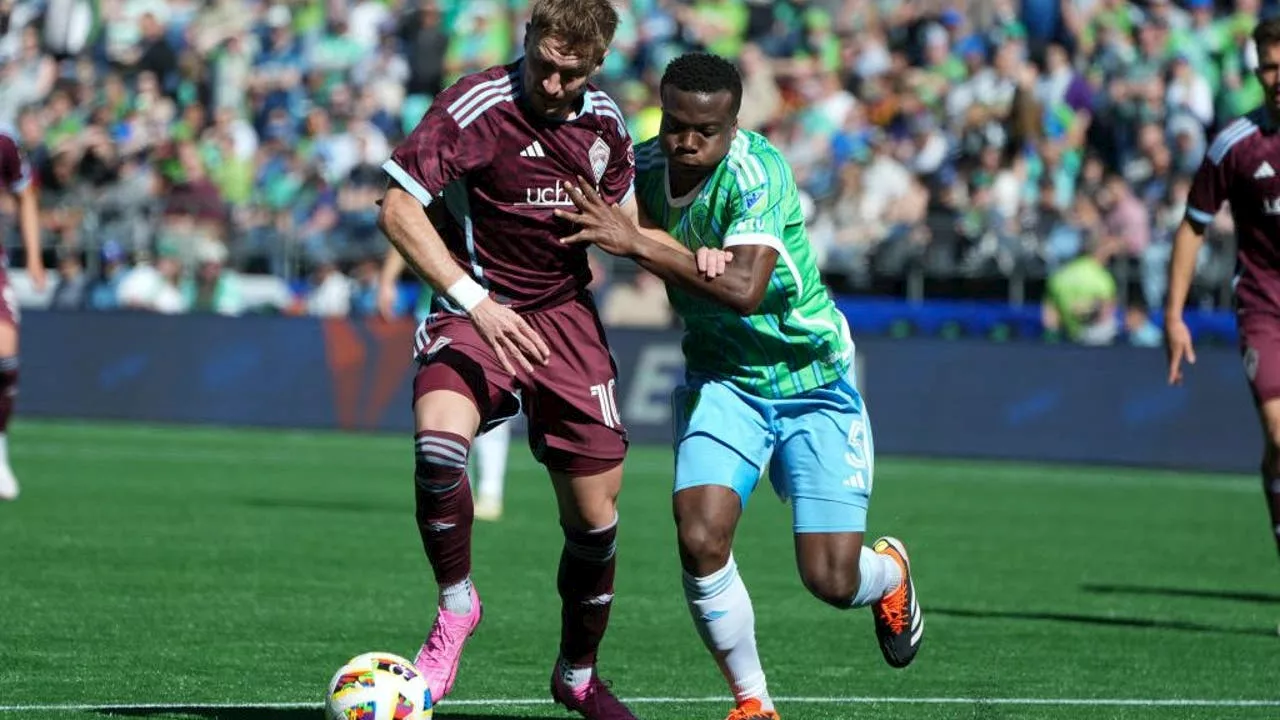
<point>1080,300</point>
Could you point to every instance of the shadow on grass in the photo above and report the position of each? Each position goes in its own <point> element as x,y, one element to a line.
<point>1103,620</point>
<point>1246,596</point>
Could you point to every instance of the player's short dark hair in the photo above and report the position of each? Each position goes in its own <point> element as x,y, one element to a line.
<point>704,73</point>
<point>1267,34</point>
<point>579,24</point>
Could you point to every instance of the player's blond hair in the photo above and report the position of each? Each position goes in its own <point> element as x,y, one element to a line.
<point>585,26</point>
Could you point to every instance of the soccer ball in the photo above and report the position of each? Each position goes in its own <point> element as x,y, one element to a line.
<point>378,686</point>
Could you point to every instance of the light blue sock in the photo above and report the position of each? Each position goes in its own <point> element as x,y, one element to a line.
<point>722,612</point>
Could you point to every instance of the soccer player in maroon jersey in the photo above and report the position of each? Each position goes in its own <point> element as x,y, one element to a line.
<point>515,327</point>
<point>1242,168</point>
<point>15,178</point>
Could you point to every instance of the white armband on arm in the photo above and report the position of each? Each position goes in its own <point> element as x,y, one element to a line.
<point>466,292</point>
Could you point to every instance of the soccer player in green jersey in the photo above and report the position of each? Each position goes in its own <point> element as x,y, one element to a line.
<point>769,374</point>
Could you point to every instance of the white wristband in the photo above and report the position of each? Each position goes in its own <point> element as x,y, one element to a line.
<point>467,293</point>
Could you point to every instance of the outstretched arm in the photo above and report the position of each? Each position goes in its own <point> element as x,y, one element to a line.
<point>622,231</point>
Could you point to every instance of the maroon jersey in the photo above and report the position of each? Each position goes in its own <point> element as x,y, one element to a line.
<point>1242,169</point>
<point>505,169</point>
<point>15,172</point>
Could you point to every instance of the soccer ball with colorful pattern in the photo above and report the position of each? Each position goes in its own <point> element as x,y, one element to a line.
<point>378,686</point>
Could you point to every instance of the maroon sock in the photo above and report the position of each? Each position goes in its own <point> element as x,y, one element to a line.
<point>8,390</point>
<point>587,567</point>
<point>443,493</point>
<point>1271,486</point>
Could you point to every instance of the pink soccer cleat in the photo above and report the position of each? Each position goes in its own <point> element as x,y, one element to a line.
<point>440,654</point>
<point>594,700</point>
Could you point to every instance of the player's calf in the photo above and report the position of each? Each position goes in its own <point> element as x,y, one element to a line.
<point>725,619</point>
<point>588,564</point>
<point>585,581</point>
<point>706,518</point>
<point>834,578</point>
<point>1270,412</point>
<point>8,389</point>
<point>838,570</point>
<point>587,493</point>
<point>1271,491</point>
<point>444,513</point>
<point>8,394</point>
<point>444,507</point>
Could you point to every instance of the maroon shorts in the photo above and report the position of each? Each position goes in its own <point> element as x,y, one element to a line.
<point>1260,349</point>
<point>9,313</point>
<point>574,425</point>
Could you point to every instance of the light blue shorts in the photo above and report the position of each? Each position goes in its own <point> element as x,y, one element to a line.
<point>817,448</point>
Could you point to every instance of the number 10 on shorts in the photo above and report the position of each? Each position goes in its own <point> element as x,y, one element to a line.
<point>608,403</point>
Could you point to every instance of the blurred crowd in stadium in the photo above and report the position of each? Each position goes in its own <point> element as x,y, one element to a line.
<point>212,144</point>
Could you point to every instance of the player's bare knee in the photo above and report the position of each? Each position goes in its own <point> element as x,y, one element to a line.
<point>1269,412</point>
<point>591,513</point>
<point>586,489</point>
<point>1270,454</point>
<point>8,339</point>
<point>704,544</point>
<point>1272,445</point>
<point>1270,458</point>
<point>447,411</point>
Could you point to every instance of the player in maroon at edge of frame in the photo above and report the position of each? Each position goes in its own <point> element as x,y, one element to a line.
<point>1242,168</point>
<point>515,327</point>
<point>15,179</point>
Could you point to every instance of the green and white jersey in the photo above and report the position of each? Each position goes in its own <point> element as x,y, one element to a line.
<point>797,340</point>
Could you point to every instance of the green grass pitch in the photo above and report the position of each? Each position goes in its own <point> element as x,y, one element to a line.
<point>183,569</point>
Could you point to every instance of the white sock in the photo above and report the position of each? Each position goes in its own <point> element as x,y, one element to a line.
<point>456,598</point>
<point>574,677</point>
<point>722,612</point>
<point>878,576</point>
<point>490,450</point>
<point>4,450</point>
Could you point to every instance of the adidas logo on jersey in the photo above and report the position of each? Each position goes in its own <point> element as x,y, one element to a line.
<point>1264,171</point>
<point>534,150</point>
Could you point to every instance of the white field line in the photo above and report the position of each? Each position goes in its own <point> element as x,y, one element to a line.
<point>817,700</point>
